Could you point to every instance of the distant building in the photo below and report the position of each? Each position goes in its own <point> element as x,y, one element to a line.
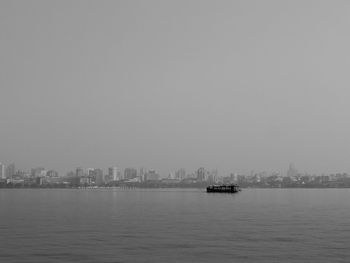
<point>70,174</point>
<point>226,180</point>
<point>130,173</point>
<point>85,180</point>
<point>134,180</point>
<point>241,179</point>
<point>99,177</point>
<point>52,180</point>
<point>21,174</point>
<point>52,173</point>
<point>90,171</point>
<point>79,172</point>
<point>142,173</point>
<point>113,173</point>
<point>151,175</point>
<point>170,181</point>
<point>292,171</point>
<point>234,177</point>
<point>38,172</point>
<point>98,171</point>
<point>201,174</point>
<point>212,176</point>
<point>180,174</point>
<point>171,176</point>
<point>10,170</point>
<point>2,171</point>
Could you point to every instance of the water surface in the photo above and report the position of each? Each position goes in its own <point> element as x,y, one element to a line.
<point>174,225</point>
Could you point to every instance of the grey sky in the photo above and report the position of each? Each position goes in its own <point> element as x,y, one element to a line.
<point>233,85</point>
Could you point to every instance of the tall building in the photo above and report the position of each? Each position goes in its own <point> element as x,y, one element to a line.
<point>292,171</point>
<point>113,173</point>
<point>212,176</point>
<point>130,173</point>
<point>142,173</point>
<point>171,175</point>
<point>2,171</point>
<point>99,178</point>
<point>201,174</point>
<point>180,174</point>
<point>90,171</point>
<point>10,170</point>
<point>79,172</point>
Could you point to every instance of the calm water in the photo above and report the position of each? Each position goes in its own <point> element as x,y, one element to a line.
<point>116,225</point>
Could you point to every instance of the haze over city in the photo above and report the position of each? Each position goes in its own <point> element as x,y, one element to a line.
<point>232,85</point>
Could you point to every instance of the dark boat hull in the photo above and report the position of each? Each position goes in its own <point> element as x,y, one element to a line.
<point>223,188</point>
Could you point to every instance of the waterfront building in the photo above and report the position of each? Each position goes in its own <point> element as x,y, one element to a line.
<point>234,177</point>
<point>113,173</point>
<point>97,176</point>
<point>292,171</point>
<point>212,176</point>
<point>52,180</point>
<point>85,180</point>
<point>10,170</point>
<point>241,179</point>
<point>90,171</point>
<point>79,172</point>
<point>171,175</point>
<point>2,171</point>
<point>130,173</point>
<point>98,171</point>
<point>180,174</point>
<point>151,175</point>
<point>201,174</point>
<point>142,173</point>
<point>134,180</point>
<point>38,172</point>
<point>70,174</point>
<point>21,174</point>
<point>52,173</point>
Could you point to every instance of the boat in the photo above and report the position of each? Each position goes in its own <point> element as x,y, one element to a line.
<point>223,188</point>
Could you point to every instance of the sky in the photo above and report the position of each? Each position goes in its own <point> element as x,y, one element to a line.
<point>232,85</point>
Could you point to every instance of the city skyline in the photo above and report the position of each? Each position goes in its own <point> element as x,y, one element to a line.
<point>128,172</point>
<point>131,177</point>
<point>166,171</point>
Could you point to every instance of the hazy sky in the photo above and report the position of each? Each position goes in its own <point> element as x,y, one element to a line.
<point>233,85</point>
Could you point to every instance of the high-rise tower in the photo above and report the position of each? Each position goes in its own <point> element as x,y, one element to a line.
<point>2,171</point>
<point>113,173</point>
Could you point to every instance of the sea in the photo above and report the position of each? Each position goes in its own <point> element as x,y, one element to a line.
<point>174,225</point>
